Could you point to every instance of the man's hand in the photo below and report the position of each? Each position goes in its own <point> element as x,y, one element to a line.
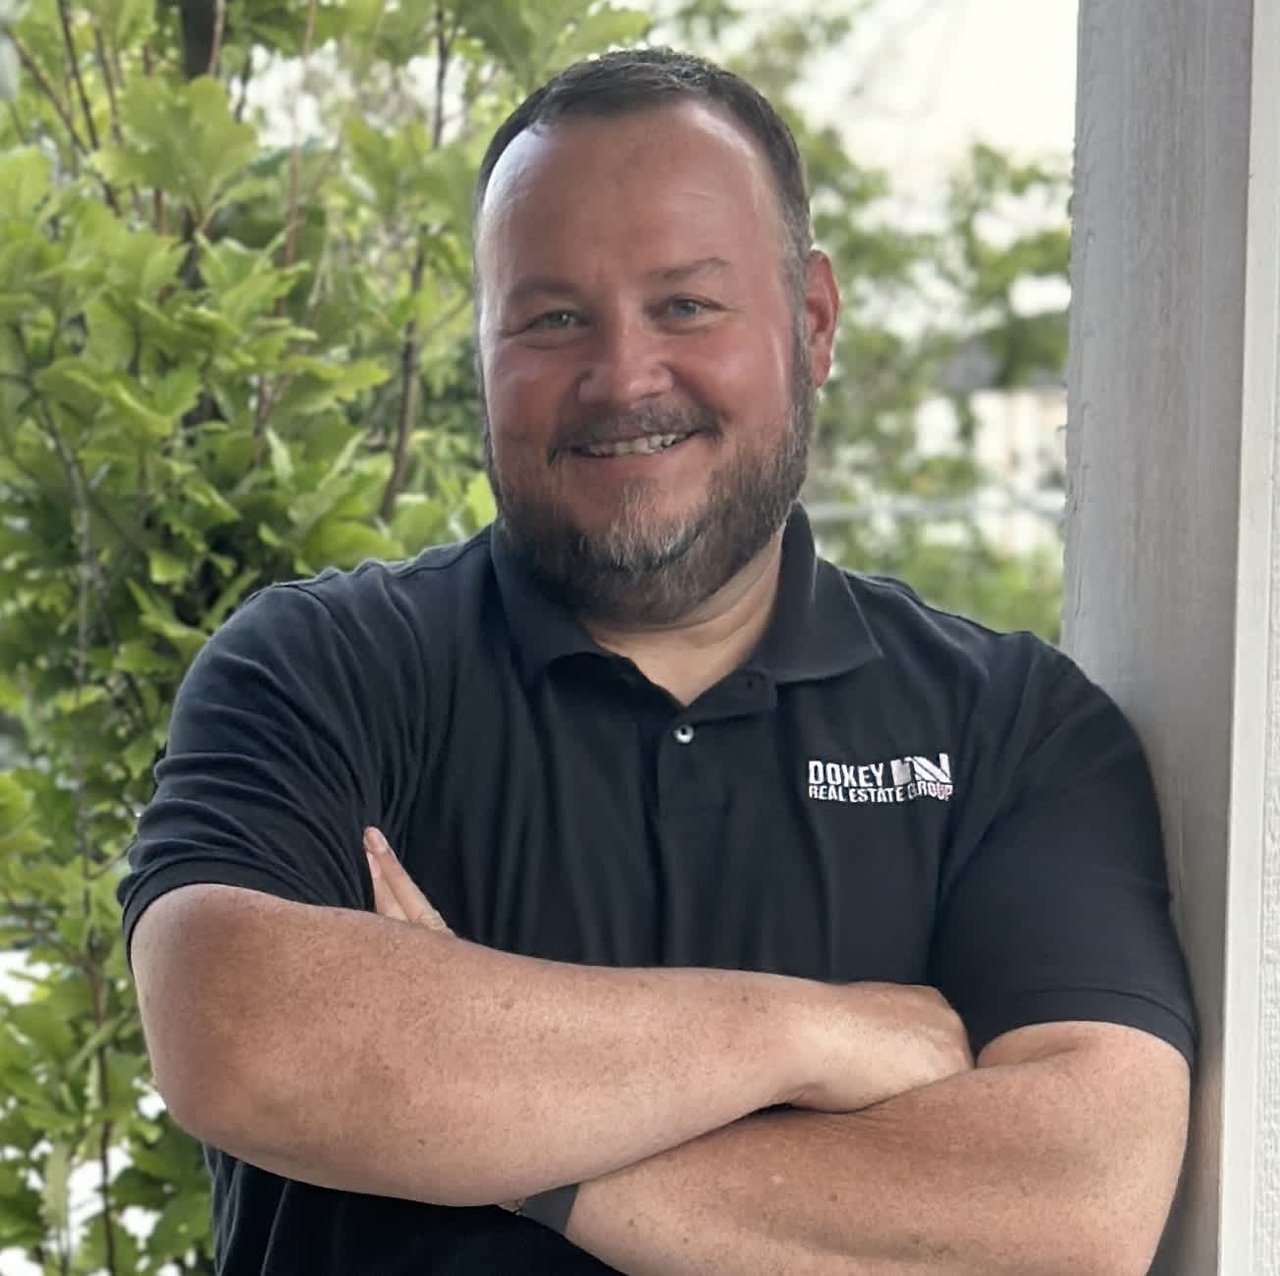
<point>909,1030</point>
<point>395,894</point>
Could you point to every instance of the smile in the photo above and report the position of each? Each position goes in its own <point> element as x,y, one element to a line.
<point>646,445</point>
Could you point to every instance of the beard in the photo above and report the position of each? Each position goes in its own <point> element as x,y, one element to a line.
<point>644,570</point>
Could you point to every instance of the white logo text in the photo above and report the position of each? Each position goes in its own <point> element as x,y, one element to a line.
<point>899,780</point>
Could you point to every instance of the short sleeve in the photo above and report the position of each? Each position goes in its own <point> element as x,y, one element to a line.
<point>1058,909</point>
<point>273,763</point>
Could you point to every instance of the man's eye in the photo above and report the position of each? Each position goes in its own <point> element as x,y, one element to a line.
<point>686,307</point>
<point>555,321</point>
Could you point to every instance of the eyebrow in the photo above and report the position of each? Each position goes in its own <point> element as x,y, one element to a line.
<point>548,286</point>
<point>677,274</point>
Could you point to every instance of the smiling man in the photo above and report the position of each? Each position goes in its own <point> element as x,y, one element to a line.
<point>774,921</point>
<point>648,354</point>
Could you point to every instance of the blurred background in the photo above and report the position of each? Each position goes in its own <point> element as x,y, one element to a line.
<point>235,347</point>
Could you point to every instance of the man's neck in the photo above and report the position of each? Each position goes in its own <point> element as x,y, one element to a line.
<point>692,654</point>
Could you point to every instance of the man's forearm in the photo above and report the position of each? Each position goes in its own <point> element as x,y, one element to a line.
<point>342,1049</point>
<point>1013,1169</point>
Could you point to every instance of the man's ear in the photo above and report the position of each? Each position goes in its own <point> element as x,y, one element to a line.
<point>822,313</point>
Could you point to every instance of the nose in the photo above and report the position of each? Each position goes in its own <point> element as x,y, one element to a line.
<point>626,365</point>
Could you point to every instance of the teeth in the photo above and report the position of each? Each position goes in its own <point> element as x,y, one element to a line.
<point>634,447</point>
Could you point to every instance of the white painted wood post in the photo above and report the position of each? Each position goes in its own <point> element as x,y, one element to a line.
<point>1173,540</point>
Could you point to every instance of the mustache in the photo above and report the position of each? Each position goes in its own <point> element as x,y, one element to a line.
<point>633,425</point>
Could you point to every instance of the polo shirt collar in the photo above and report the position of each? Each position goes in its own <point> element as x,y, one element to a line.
<point>541,629</point>
<point>817,630</point>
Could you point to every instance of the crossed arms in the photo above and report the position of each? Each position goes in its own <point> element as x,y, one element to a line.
<point>396,1059</point>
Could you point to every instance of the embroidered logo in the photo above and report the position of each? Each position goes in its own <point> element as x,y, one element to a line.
<point>899,780</point>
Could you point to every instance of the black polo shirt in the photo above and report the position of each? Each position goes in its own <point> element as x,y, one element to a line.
<point>883,792</point>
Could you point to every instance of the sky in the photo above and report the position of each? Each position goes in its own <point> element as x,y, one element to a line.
<point>935,75</point>
<point>939,74</point>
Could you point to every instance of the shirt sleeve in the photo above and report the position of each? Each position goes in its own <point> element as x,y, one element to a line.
<point>1058,909</point>
<point>273,764</point>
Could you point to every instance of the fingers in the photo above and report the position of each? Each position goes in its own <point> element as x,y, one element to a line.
<point>395,894</point>
<point>384,898</point>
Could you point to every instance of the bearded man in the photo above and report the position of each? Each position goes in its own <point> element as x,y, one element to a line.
<point>745,915</point>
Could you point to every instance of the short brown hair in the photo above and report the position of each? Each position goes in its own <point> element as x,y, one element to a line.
<point>640,79</point>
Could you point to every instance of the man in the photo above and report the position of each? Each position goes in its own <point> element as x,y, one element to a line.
<point>735,855</point>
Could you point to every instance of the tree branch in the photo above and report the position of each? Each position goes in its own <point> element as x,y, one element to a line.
<point>444,41</point>
<point>157,195</point>
<point>196,19</point>
<point>410,356</point>
<point>295,157</point>
<point>87,555</point>
<point>80,488</point>
<point>94,976</point>
<point>219,28</point>
<point>267,391</point>
<point>108,79</point>
<point>411,351</point>
<point>42,82</point>
<point>15,908</point>
<point>17,123</point>
<point>246,73</point>
<point>73,61</point>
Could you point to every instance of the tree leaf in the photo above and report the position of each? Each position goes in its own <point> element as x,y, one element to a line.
<point>507,29</point>
<point>478,502</point>
<point>281,460</point>
<point>166,568</point>
<point>345,543</point>
<point>25,182</point>
<point>55,1172</point>
<point>181,138</point>
<point>123,22</point>
<point>609,27</point>
<point>21,1224</point>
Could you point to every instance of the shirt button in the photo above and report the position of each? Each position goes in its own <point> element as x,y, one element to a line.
<point>683,733</point>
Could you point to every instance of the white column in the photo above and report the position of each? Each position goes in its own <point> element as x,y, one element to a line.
<point>1173,563</point>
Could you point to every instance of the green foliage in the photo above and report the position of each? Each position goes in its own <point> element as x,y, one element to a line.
<point>225,362</point>
<point>528,39</point>
<point>180,139</point>
<point>987,271</point>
